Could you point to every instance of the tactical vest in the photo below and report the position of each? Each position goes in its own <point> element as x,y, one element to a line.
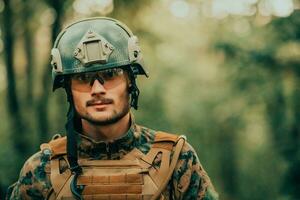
<point>134,177</point>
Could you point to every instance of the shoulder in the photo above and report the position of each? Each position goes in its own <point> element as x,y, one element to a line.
<point>36,166</point>
<point>34,179</point>
<point>188,153</point>
<point>190,178</point>
<point>144,134</point>
<point>146,137</point>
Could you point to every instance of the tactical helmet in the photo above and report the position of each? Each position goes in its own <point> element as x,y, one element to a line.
<point>95,44</point>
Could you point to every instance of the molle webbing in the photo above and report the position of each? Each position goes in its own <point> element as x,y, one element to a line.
<point>135,176</point>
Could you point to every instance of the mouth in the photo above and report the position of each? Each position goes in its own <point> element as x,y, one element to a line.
<point>99,106</point>
<point>99,102</point>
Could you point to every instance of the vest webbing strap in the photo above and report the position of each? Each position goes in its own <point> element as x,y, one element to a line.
<point>57,146</point>
<point>175,157</point>
<point>112,180</point>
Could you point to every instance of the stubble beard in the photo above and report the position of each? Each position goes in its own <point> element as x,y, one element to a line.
<point>112,119</point>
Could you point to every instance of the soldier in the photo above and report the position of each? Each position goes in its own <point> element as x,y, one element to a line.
<point>105,155</point>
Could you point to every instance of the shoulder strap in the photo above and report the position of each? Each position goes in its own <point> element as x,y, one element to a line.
<point>165,137</point>
<point>164,140</point>
<point>57,146</point>
<point>176,154</point>
<point>168,145</point>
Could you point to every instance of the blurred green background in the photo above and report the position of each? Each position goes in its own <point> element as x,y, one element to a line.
<point>225,73</point>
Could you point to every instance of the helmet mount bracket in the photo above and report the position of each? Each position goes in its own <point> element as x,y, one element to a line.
<point>56,61</point>
<point>93,48</point>
<point>134,49</point>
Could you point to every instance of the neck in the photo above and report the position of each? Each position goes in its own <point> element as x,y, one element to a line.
<point>106,132</point>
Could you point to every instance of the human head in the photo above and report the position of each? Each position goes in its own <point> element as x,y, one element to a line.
<point>96,44</point>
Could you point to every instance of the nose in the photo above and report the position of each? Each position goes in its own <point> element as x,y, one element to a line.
<point>97,88</point>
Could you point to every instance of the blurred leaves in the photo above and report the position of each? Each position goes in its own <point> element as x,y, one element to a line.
<point>224,74</point>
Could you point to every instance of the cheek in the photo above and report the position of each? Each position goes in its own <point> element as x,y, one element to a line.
<point>123,95</point>
<point>124,99</point>
<point>79,100</point>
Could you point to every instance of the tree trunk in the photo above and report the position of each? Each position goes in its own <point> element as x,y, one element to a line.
<point>17,123</point>
<point>42,103</point>
<point>228,157</point>
<point>286,136</point>
<point>29,48</point>
<point>292,151</point>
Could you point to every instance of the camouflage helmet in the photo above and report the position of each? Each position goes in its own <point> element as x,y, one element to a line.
<point>95,44</point>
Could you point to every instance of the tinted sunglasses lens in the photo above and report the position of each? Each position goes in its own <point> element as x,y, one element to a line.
<point>108,78</point>
<point>110,74</point>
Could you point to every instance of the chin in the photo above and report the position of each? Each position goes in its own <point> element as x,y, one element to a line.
<point>103,120</point>
<point>101,116</point>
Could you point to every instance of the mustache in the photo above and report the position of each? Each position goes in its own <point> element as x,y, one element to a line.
<point>99,99</point>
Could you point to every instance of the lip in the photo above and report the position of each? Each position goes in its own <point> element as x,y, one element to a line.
<point>99,104</point>
<point>103,102</point>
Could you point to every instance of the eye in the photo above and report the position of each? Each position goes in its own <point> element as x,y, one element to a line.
<point>85,78</point>
<point>110,74</point>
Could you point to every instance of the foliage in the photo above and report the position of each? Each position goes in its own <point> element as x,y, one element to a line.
<point>229,82</point>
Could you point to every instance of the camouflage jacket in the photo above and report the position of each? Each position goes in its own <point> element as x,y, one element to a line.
<point>189,180</point>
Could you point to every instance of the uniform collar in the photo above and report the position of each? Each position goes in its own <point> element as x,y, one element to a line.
<point>115,149</point>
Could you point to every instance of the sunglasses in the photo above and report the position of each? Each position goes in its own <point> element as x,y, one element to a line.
<point>109,78</point>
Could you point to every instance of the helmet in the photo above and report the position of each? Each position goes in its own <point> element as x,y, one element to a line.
<point>95,44</point>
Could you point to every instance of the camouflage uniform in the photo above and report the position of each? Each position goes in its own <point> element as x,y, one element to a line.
<point>189,180</point>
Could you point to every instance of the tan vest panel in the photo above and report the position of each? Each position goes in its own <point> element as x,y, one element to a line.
<point>132,178</point>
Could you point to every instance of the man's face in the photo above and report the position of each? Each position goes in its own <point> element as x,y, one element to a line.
<point>101,98</point>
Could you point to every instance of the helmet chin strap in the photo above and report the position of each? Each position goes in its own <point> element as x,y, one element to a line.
<point>72,154</point>
<point>133,89</point>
